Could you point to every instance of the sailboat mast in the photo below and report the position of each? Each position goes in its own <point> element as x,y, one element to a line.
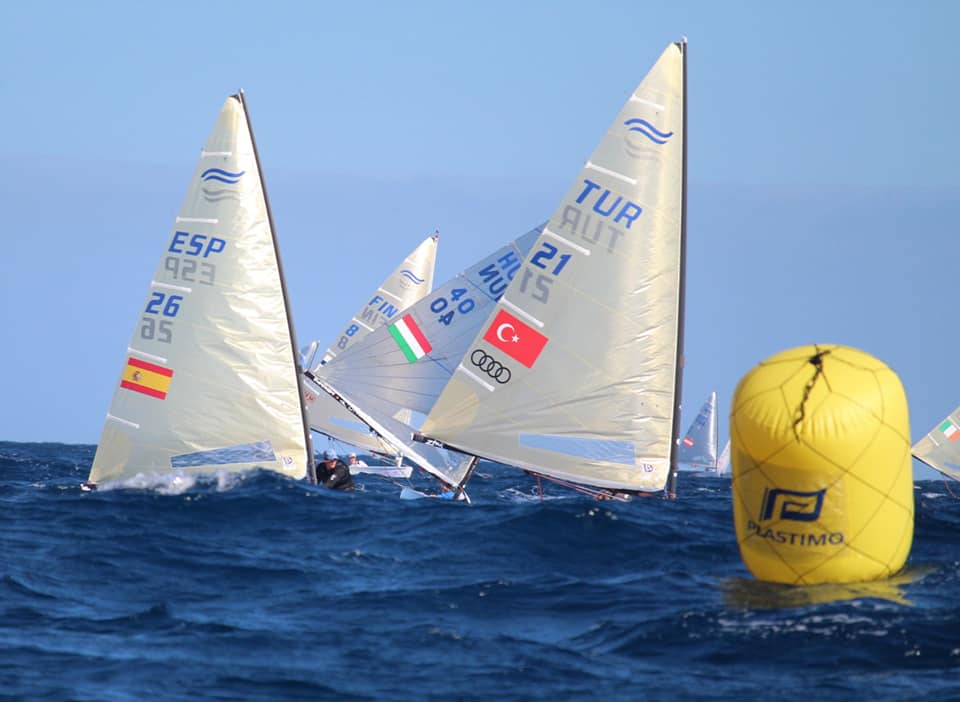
<point>311,471</point>
<point>716,435</point>
<point>466,476</point>
<point>678,386</point>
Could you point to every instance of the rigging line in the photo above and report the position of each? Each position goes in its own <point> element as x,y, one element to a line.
<point>946,483</point>
<point>598,494</point>
<point>476,286</point>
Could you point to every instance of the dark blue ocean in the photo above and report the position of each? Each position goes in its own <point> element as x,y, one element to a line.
<point>259,588</point>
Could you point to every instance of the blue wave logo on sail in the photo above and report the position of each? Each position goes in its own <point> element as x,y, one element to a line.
<point>643,140</point>
<point>642,126</point>
<point>219,175</point>
<point>409,277</point>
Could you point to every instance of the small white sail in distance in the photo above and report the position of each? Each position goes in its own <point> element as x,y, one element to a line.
<point>698,447</point>
<point>939,448</point>
<point>723,461</point>
<point>591,327</point>
<point>210,379</point>
<point>408,283</point>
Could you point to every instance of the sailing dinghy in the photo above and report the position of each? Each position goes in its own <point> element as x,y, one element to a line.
<point>400,369</point>
<point>723,461</point>
<point>940,447</point>
<point>698,448</point>
<point>211,378</point>
<point>408,283</point>
<point>590,329</point>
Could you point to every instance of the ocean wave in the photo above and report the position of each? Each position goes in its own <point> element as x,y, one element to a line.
<point>255,586</point>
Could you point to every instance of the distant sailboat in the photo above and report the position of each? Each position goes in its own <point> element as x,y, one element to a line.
<point>409,282</point>
<point>211,378</point>
<point>723,462</point>
<point>940,447</point>
<point>402,367</point>
<point>698,448</point>
<point>589,333</point>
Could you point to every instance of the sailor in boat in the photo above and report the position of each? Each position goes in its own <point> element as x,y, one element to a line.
<point>446,491</point>
<point>333,473</point>
<point>353,464</point>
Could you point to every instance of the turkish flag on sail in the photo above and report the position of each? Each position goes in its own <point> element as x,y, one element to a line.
<point>521,342</point>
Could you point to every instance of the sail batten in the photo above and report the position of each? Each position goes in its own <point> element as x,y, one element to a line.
<point>606,171</point>
<point>126,422</point>
<point>390,294</point>
<point>197,220</point>
<point>575,247</point>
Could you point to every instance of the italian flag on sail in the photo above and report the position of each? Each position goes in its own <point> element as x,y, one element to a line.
<point>950,430</point>
<point>410,339</point>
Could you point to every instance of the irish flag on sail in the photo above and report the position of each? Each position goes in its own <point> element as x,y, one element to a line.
<point>950,430</point>
<point>410,339</point>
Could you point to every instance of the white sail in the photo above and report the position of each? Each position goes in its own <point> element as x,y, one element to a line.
<point>940,448</point>
<point>210,380</point>
<point>723,461</point>
<point>698,447</point>
<point>590,328</point>
<point>387,369</point>
<point>409,282</point>
<point>405,365</point>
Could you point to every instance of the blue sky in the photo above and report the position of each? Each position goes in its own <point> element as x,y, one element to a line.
<point>823,190</point>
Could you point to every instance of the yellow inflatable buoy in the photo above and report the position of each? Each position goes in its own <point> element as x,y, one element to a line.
<point>821,467</point>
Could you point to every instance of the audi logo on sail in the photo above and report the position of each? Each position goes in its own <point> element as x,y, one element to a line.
<point>491,366</point>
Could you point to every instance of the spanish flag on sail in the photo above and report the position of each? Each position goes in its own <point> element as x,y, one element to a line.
<point>148,378</point>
